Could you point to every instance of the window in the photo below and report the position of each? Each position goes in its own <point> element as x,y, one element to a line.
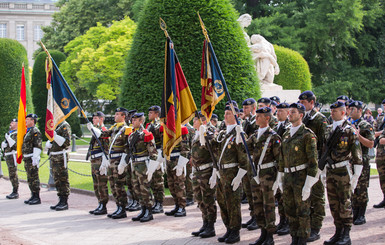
<point>37,33</point>
<point>3,30</point>
<point>20,32</point>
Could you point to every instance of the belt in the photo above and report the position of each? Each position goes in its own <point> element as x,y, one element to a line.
<point>28,155</point>
<point>229,165</point>
<point>266,165</point>
<point>116,155</point>
<point>296,168</point>
<point>339,164</point>
<point>60,153</point>
<point>97,155</point>
<point>13,153</point>
<point>175,154</point>
<point>204,166</point>
<point>141,159</point>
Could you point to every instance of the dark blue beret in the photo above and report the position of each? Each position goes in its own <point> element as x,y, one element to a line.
<point>264,100</point>
<point>358,104</point>
<point>14,120</point>
<point>234,103</point>
<point>383,102</point>
<point>132,111</point>
<point>298,106</point>
<point>214,116</point>
<point>31,115</point>
<point>276,99</point>
<point>138,115</point>
<point>121,109</point>
<point>241,110</point>
<point>98,114</point>
<point>248,101</point>
<point>343,97</point>
<point>306,95</point>
<point>283,105</point>
<point>337,104</point>
<point>228,108</point>
<point>263,110</point>
<point>273,103</point>
<point>154,108</point>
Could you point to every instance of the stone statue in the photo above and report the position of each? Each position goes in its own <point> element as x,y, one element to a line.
<point>245,20</point>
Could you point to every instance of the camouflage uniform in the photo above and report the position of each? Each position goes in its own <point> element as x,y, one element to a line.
<point>10,159</point>
<point>263,194</point>
<point>273,121</point>
<point>32,139</point>
<point>299,150</point>
<point>189,182</point>
<point>380,162</point>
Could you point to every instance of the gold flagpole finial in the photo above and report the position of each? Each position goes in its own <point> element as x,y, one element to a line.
<point>22,64</point>
<point>46,51</point>
<point>163,26</point>
<point>203,28</point>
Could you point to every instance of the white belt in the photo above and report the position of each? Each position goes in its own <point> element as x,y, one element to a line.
<point>204,166</point>
<point>141,159</point>
<point>338,165</point>
<point>229,165</point>
<point>175,154</point>
<point>115,155</point>
<point>266,165</point>
<point>13,153</point>
<point>55,153</point>
<point>296,168</point>
<point>28,155</point>
<point>97,155</point>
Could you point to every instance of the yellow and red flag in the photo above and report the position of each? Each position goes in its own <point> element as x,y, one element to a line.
<point>21,126</point>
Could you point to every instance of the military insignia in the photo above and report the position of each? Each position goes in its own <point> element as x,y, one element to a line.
<point>229,146</point>
<point>218,87</point>
<point>65,103</point>
<point>50,125</point>
<point>296,148</point>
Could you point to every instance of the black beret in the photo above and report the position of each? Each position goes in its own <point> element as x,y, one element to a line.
<point>234,103</point>
<point>273,103</point>
<point>343,97</point>
<point>276,99</point>
<point>264,100</point>
<point>154,108</point>
<point>214,116</point>
<point>138,115</point>
<point>14,120</point>
<point>228,108</point>
<point>283,105</point>
<point>299,106</point>
<point>199,114</point>
<point>337,104</point>
<point>305,95</point>
<point>132,111</point>
<point>248,101</point>
<point>358,104</point>
<point>383,102</point>
<point>98,114</point>
<point>264,110</point>
<point>34,116</point>
<point>121,109</point>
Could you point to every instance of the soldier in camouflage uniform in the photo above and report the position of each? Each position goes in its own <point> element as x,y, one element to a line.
<point>232,161</point>
<point>297,173</point>
<point>365,134</point>
<point>265,145</point>
<point>380,154</point>
<point>9,148</point>
<point>266,102</point>
<point>31,150</point>
<point>214,121</point>
<point>157,181</point>
<point>203,165</point>
<point>317,122</point>
<point>96,153</point>
<point>189,182</point>
<point>57,151</point>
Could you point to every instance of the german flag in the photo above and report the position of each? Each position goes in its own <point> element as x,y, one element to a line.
<point>21,126</point>
<point>178,106</point>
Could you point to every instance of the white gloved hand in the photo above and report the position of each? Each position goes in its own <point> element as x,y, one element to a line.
<point>48,144</point>
<point>122,164</point>
<point>160,156</point>
<point>278,182</point>
<point>355,177</point>
<point>58,139</point>
<point>11,142</point>
<point>306,189</point>
<point>323,176</point>
<point>213,178</point>
<point>182,161</point>
<point>89,126</point>
<point>256,178</point>
<point>96,130</point>
<point>239,130</point>
<point>6,135</point>
<point>3,145</point>
<point>36,156</point>
<point>103,170</point>
<point>152,166</point>
<point>105,161</point>
<point>202,131</point>
<point>238,179</point>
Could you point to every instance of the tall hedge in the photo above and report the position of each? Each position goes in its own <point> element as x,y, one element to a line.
<point>144,72</point>
<point>12,56</point>
<point>294,70</point>
<point>39,91</point>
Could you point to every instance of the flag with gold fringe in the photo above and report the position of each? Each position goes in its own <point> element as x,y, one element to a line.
<point>21,126</point>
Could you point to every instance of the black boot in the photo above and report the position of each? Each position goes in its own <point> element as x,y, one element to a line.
<point>63,204</point>
<point>233,237</point>
<point>209,231</point>
<point>57,204</point>
<point>101,210</point>
<point>129,203</point>
<point>91,211</point>
<point>157,208</point>
<point>225,236</point>
<point>314,235</point>
<point>261,238</point>
<point>181,212</point>
<point>285,229</point>
<point>189,202</point>
<point>28,200</point>
<point>302,241</point>
<point>253,225</point>
<point>335,237</point>
<point>355,213</point>
<point>269,239</point>
<point>345,237</point>
<point>147,215</point>
<point>120,214</point>
<point>13,195</point>
<point>35,200</point>
<point>110,215</point>
<point>380,205</point>
<point>196,233</point>
<point>140,215</point>
<point>282,221</point>
<point>244,199</point>
<point>173,211</point>
<point>135,206</point>
<point>294,240</point>
<point>360,220</point>
<point>245,225</point>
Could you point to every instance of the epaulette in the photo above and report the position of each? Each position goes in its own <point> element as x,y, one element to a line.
<point>147,136</point>
<point>128,131</point>
<point>104,128</point>
<point>184,130</point>
<point>161,129</point>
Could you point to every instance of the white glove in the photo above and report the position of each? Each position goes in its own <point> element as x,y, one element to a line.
<point>105,161</point>
<point>160,156</point>
<point>11,142</point>
<point>278,182</point>
<point>355,177</point>
<point>36,156</point>
<point>152,166</point>
<point>48,144</point>
<point>213,178</point>
<point>182,161</point>
<point>122,164</point>
<point>238,179</point>
<point>89,126</point>
<point>309,182</point>
<point>6,135</point>
<point>3,145</point>
<point>58,139</point>
<point>239,130</point>
<point>103,170</point>
<point>202,131</point>
<point>322,175</point>
<point>92,128</point>
<point>256,178</point>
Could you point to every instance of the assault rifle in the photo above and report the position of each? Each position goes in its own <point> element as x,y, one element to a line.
<point>131,145</point>
<point>281,130</point>
<point>377,140</point>
<point>330,145</point>
<point>92,142</point>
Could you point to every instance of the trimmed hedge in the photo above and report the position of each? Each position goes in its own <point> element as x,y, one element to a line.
<point>294,70</point>
<point>144,73</point>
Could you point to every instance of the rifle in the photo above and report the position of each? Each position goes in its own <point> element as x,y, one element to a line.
<point>131,147</point>
<point>377,140</point>
<point>92,142</point>
<point>281,130</point>
<point>330,145</point>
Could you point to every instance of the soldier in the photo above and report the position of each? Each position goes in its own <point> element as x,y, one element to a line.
<point>266,102</point>
<point>241,115</point>
<point>95,152</point>
<point>157,181</point>
<point>189,183</point>
<point>9,149</point>
<point>365,135</point>
<point>222,126</point>
<point>380,154</point>
<point>265,144</point>
<point>273,107</point>
<point>297,171</point>
<point>203,165</point>
<point>233,166</point>
<point>276,99</point>
<point>214,120</point>
<point>344,99</point>
<point>339,183</point>
<point>317,122</point>
<point>57,151</point>
<point>31,155</point>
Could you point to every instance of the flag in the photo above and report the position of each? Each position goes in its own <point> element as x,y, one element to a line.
<point>178,106</point>
<point>61,102</point>
<point>211,81</point>
<point>21,126</point>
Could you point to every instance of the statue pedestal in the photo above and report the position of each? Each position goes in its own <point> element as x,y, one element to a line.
<point>288,96</point>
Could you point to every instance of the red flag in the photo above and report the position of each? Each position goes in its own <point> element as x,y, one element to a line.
<point>21,126</point>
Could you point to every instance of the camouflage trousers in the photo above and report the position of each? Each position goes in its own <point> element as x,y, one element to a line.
<point>279,199</point>
<point>263,199</point>
<point>60,175</point>
<point>12,171</point>
<point>360,196</point>
<point>246,185</point>
<point>176,184</point>
<point>297,211</point>
<point>117,182</point>
<point>381,172</point>
<point>339,194</point>
<point>129,182</point>
<point>32,175</point>
<point>100,181</point>
<point>157,185</point>
<point>229,201</point>
<point>317,205</point>
<point>204,195</point>
<point>141,185</point>
<point>189,183</point>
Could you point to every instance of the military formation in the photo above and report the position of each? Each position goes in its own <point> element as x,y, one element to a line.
<point>266,154</point>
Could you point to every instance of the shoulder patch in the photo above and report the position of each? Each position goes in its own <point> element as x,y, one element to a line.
<point>184,130</point>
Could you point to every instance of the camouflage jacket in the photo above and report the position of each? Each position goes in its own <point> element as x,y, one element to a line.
<point>117,143</point>
<point>317,122</point>
<point>366,131</point>
<point>200,154</point>
<point>273,121</point>
<point>95,147</point>
<point>299,149</point>
<point>380,153</point>
<point>154,127</point>
<point>191,134</point>
<point>141,143</point>
<point>249,125</point>
<point>32,139</point>
<point>282,128</point>
<point>13,135</point>
<point>63,130</point>
<point>348,148</point>
<point>256,146</point>
<point>377,123</point>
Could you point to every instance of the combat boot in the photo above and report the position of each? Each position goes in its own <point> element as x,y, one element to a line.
<point>63,204</point>
<point>380,205</point>
<point>93,211</point>
<point>102,209</point>
<point>302,241</point>
<point>282,221</point>
<point>233,237</point>
<point>129,203</point>
<point>335,237</point>
<point>360,220</point>
<point>120,214</point>
<point>110,215</point>
<point>314,235</point>
<point>35,200</point>
<point>180,212</point>
<point>157,208</point>
<point>147,215</point>
<point>173,211</point>
<point>285,229</point>
<point>345,237</point>
<point>253,225</point>
<point>189,202</point>
<point>225,236</point>
<point>54,206</point>
<point>135,206</point>
<point>140,215</point>
<point>13,195</point>
<point>209,231</point>
<point>245,225</point>
<point>294,240</point>
<point>196,233</point>
<point>355,213</point>
<point>269,239</point>
<point>28,200</point>
<point>261,238</point>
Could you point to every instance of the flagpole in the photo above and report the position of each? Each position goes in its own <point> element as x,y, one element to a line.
<point>227,94</point>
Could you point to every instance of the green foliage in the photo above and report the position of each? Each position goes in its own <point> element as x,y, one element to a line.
<point>294,70</point>
<point>12,57</point>
<point>144,72</point>
<point>74,121</point>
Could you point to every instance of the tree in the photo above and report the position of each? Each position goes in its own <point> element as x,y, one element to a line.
<point>144,71</point>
